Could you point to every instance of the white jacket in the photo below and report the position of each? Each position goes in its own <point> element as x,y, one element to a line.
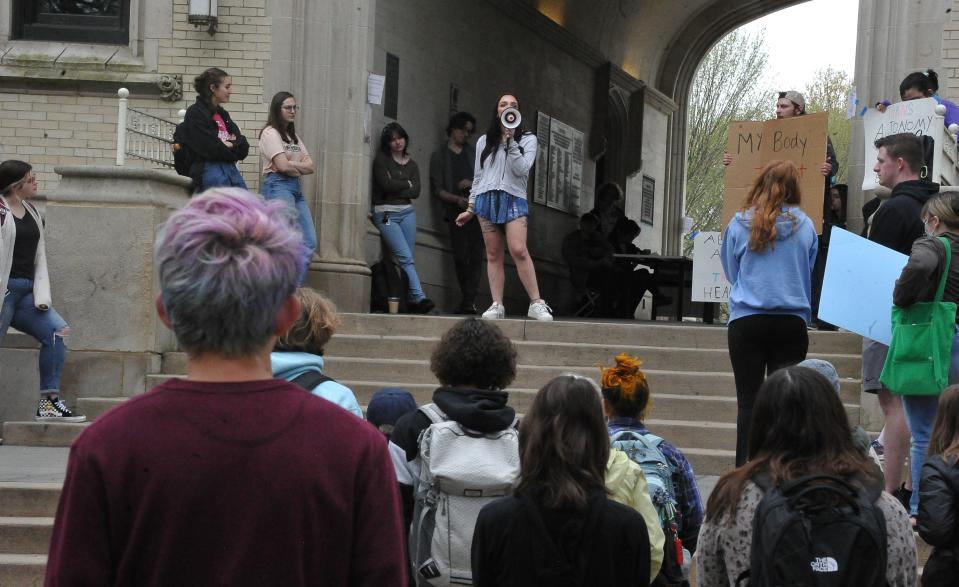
<point>8,237</point>
<point>509,173</point>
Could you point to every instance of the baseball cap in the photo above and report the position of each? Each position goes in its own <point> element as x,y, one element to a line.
<point>794,97</point>
<point>824,368</point>
<point>388,404</point>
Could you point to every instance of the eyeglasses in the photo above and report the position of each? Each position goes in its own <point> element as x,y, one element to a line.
<point>292,108</point>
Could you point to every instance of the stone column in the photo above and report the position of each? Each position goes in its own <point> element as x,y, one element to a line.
<point>322,52</point>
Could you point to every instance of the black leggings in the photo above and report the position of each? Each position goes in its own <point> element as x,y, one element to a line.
<point>758,345</point>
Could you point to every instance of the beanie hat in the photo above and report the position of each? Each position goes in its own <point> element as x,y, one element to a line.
<point>388,404</point>
<point>824,368</point>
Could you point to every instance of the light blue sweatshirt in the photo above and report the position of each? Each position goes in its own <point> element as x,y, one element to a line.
<point>777,280</point>
<point>290,365</point>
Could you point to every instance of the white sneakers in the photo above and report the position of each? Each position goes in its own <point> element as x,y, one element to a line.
<point>537,311</point>
<point>540,311</point>
<point>495,312</point>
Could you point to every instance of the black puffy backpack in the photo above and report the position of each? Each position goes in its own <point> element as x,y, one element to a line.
<point>819,531</point>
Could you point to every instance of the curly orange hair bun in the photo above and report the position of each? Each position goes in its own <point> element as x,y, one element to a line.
<point>625,375</point>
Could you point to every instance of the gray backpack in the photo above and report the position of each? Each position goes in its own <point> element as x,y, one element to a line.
<point>461,471</point>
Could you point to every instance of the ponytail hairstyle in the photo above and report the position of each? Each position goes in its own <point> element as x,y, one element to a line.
<point>625,388</point>
<point>287,130</point>
<point>945,432</point>
<point>212,76</point>
<point>494,134</point>
<point>777,185</point>
<point>945,207</point>
<point>926,81</point>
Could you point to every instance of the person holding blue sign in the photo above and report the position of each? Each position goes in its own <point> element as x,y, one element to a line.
<point>768,253</point>
<point>896,225</point>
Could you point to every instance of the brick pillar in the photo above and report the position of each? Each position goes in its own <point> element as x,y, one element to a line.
<point>322,52</point>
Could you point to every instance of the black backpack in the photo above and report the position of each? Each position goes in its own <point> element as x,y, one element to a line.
<point>388,281</point>
<point>310,380</point>
<point>183,156</point>
<point>817,530</point>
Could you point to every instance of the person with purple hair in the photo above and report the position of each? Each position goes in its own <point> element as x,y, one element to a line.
<point>228,476</point>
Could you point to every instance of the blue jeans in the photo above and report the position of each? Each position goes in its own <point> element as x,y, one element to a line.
<point>18,310</point>
<point>398,230</point>
<point>920,415</point>
<point>277,186</point>
<point>218,174</point>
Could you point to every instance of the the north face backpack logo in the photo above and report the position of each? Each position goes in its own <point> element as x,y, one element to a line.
<point>825,564</point>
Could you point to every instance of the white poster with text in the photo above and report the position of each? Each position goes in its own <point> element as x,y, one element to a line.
<point>709,280</point>
<point>915,116</point>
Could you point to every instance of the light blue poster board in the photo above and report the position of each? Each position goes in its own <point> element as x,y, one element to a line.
<point>857,288</point>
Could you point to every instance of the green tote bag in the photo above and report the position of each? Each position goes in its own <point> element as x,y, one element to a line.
<point>921,348</point>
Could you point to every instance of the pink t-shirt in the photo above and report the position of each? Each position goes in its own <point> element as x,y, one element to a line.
<point>222,133</point>
<point>272,144</point>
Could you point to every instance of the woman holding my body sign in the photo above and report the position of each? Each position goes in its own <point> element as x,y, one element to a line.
<point>768,254</point>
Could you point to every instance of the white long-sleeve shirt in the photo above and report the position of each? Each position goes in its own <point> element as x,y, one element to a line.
<point>509,173</point>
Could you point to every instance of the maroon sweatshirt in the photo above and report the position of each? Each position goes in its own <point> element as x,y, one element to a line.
<point>254,483</point>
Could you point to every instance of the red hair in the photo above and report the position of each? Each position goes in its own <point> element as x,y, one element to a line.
<point>777,184</point>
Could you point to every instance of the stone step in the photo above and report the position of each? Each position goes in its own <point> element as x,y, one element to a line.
<point>41,433</point>
<point>22,570</point>
<point>613,332</point>
<point>29,499</point>
<point>25,535</point>
<point>94,407</point>
<point>564,353</point>
<point>710,461</point>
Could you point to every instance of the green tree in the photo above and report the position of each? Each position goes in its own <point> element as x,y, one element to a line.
<point>723,90</point>
<point>829,92</point>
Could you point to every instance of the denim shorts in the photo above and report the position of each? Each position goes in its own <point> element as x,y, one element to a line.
<point>499,207</point>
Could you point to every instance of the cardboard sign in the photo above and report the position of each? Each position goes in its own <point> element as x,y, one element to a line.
<point>752,144</point>
<point>709,280</point>
<point>857,288</point>
<point>915,116</point>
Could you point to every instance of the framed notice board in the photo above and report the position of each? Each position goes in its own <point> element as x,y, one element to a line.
<point>649,200</point>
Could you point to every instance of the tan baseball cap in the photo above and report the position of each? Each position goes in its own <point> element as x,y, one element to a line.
<point>794,97</point>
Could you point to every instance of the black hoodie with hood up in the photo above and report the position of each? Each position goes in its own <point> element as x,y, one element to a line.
<point>898,222</point>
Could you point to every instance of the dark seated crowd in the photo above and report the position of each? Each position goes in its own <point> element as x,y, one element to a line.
<point>233,477</point>
<point>606,281</point>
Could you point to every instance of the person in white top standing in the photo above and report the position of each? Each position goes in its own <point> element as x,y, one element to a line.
<point>498,198</point>
<point>285,160</point>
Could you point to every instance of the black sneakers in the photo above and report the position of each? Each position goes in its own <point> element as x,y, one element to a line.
<point>53,410</point>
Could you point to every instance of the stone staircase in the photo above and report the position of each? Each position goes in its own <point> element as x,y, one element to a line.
<point>694,401</point>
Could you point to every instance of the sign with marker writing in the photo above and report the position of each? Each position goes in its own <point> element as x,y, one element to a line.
<point>753,144</point>
<point>709,280</point>
<point>915,116</point>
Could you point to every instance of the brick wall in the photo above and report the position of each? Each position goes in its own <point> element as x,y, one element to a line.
<point>63,128</point>
<point>949,76</point>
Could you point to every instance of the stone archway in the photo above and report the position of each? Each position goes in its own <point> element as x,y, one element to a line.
<point>682,57</point>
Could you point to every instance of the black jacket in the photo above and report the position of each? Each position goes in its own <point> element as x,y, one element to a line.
<point>897,223</point>
<point>481,410</point>
<point>920,277</point>
<point>199,133</point>
<point>938,520</point>
<point>518,543</point>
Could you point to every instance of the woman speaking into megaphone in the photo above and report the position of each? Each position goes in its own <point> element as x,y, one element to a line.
<point>498,197</point>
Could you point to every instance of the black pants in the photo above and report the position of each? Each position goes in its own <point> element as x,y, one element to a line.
<point>758,345</point>
<point>469,255</point>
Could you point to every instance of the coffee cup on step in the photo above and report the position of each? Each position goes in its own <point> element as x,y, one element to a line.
<point>394,305</point>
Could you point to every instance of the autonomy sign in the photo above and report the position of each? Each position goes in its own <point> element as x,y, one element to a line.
<point>752,144</point>
<point>915,116</point>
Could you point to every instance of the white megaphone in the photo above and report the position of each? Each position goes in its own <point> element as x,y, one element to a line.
<point>510,118</point>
